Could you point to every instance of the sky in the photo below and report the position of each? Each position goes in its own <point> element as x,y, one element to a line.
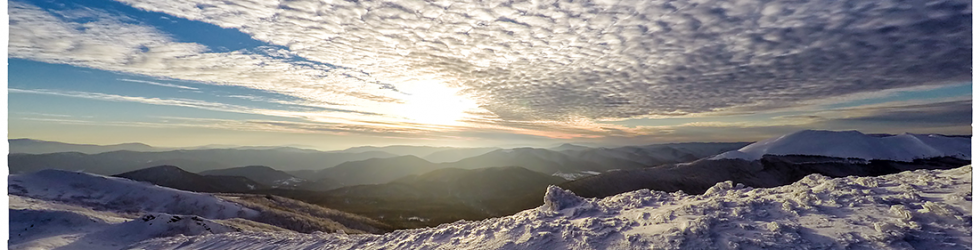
<point>334,74</point>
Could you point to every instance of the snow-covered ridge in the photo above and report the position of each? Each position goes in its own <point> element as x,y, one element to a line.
<point>924,209</point>
<point>121,195</point>
<point>854,144</point>
<point>40,224</point>
<point>56,209</point>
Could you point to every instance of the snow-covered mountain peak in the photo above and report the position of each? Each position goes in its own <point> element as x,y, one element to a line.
<point>854,144</point>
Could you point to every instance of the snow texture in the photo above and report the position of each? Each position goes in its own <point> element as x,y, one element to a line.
<point>924,209</point>
<point>40,224</point>
<point>575,175</point>
<point>121,195</point>
<point>854,144</point>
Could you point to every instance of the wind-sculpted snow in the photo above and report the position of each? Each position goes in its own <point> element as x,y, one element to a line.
<point>924,209</point>
<point>122,195</point>
<point>854,144</point>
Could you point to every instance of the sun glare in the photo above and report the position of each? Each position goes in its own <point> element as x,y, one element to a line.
<point>432,102</point>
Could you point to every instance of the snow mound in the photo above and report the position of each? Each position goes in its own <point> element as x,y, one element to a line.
<point>924,209</point>
<point>121,195</point>
<point>854,144</point>
<point>557,198</point>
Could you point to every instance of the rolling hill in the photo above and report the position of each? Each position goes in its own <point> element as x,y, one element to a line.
<point>174,177</point>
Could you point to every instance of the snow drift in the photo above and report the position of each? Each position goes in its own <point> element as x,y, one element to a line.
<point>854,144</point>
<point>921,209</point>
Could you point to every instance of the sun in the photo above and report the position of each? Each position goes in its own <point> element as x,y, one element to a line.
<point>431,102</point>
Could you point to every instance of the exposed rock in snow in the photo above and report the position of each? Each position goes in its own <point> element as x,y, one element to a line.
<point>923,209</point>
<point>557,199</point>
<point>854,144</point>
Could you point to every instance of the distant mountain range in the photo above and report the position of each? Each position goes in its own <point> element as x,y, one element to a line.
<point>432,154</point>
<point>273,178</point>
<point>30,146</point>
<point>191,160</point>
<point>376,171</point>
<point>569,146</point>
<point>452,155</point>
<point>316,170</point>
<point>549,162</point>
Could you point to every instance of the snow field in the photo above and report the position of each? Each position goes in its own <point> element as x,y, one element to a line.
<point>854,144</point>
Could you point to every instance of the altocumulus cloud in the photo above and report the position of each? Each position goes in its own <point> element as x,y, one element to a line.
<point>96,39</point>
<point>530,60</point>
<point>539,60</point>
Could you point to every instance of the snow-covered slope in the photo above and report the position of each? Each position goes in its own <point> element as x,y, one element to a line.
<point>120,194</point>
<point>924,209</point>
<point>56,209</point>
<point>40,224</point>
<point>854,144</point>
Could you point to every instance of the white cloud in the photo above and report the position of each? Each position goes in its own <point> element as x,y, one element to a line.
<point>554,60</point>
<point>108,43</point>
<point>159,84</point>
<point>146,100</point>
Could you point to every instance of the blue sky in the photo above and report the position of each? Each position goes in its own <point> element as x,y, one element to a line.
<point>336,75</point>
